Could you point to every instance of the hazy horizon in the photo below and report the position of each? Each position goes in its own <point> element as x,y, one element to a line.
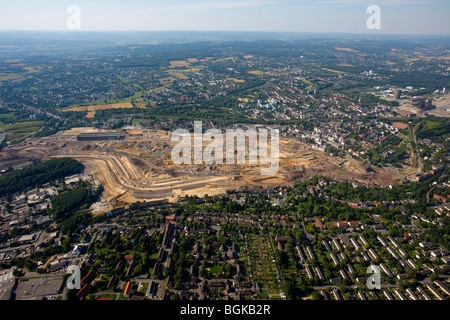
<point>413,17</point>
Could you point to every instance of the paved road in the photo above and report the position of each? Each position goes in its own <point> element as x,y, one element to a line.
<point>23,246</point>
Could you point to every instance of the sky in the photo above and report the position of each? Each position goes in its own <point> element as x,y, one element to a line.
<point>342,16</point>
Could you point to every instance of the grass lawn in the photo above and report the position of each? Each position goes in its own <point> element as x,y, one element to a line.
<point>214,270</point>
<point>263,295</point>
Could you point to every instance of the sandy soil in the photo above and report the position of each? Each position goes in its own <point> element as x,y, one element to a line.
<point>138,168</point>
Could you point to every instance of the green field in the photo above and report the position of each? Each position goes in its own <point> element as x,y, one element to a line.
<point>21,125</point>
<point>10,76</point>
<point>20,129</point>
<point>7,117</point>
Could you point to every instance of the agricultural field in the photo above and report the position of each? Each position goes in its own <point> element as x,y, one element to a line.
<point>10,76</point>
<point>257,72</point>
<point>179,63</point>
<point>331,70</point>
<point>346,49</point>
<point>235,80</point>
<point>92,108</point>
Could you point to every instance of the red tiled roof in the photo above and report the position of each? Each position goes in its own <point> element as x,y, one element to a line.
<point>128,287</point>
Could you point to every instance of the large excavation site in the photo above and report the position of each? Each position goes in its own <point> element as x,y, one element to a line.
<point>138,167</point>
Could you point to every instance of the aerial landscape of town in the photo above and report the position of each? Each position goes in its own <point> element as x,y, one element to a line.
<point>358,209</point>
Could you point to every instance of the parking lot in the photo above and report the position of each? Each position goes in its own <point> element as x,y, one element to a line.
<point>39,288</point>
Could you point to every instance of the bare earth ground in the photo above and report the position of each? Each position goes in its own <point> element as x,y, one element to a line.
<point>139,168</point>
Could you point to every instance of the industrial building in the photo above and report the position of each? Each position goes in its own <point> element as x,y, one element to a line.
<point>99,136</point>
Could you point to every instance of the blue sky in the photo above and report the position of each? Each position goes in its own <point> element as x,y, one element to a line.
<point>397,16</point>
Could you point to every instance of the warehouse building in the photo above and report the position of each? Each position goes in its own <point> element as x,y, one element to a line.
<point>99,136</point>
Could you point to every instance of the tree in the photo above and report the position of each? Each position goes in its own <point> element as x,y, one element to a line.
<point>289,290</point>
<point>433,277</point>
<point>38,174</point>
<point>412,273</point>
<point>316,296</point>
